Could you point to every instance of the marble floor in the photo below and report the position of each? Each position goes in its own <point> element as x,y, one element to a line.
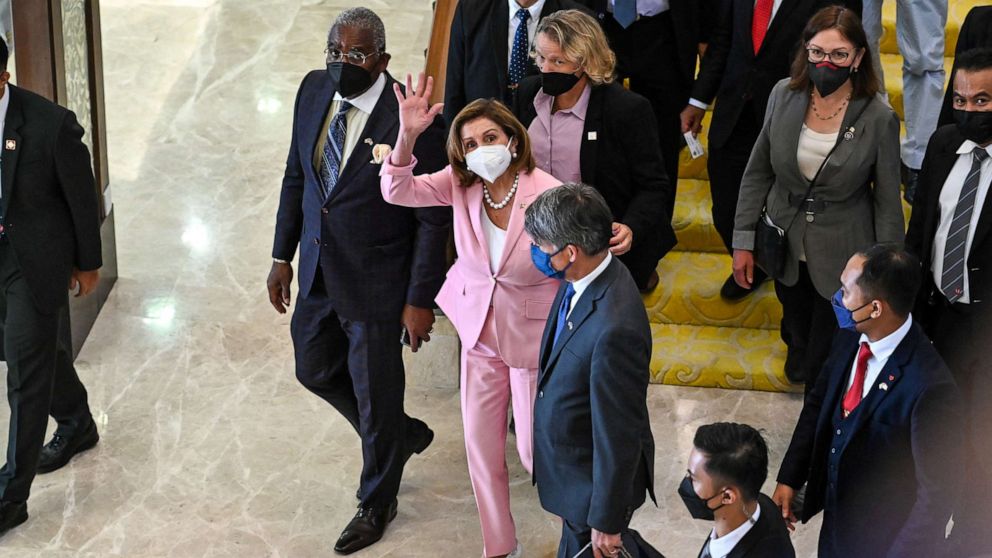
<point>210,447</point>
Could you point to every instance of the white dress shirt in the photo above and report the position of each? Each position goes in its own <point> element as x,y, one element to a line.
<point>4,103</point>
<point>495,239</point>
<point>881,350</point>
<point>775,6</point>
<point>721,547</point>
<point>580,285</point>
<point>535,14</point>
<point>949,195</point>
<point>648,8</point>
<point>355,119</point>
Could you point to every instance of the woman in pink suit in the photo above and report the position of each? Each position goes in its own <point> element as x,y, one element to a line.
<point>494,295</point>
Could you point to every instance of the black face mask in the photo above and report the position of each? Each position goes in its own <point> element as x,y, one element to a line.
<point>699,508</point>
<point>555,83</point>
<point>828,78</point>
<point>348,79</point>
<point>974,125</point>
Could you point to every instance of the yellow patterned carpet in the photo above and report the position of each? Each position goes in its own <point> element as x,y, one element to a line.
<point>701,340</point>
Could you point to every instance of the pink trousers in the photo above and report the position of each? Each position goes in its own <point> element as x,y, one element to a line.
<point>489,385</point>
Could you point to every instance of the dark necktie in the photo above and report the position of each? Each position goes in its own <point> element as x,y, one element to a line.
<point>853,397</point>
<point>566,304</point>
<point>518,56</point>
<point>952,275</point>
<point>759,23</point>
<point>625,12</point>
<point>334,149</point>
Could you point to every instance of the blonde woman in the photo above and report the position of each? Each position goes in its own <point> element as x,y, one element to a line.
<point>585,127</point>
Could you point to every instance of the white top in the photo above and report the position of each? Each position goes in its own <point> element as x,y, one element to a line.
<point>4,103</point>
<point>535,14</point>
<point>881,350</point>
<point>813,149</point>
<point>775,6</point>
<point>949,195</point>
<point>355,119</point>
<point>721,547</point>
<point>495,239</point>
<point>580,285</point>
<point>648,8</point>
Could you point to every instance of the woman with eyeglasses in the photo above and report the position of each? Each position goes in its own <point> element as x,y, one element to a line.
<point>825,171</point>
<point>585,127</point>
<point>498,294</point>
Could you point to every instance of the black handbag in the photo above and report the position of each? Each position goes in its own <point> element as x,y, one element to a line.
<point>771,242</point>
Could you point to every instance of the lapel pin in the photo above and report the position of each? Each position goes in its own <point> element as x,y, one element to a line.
<point>591,136</point>
<point>892,378</point>
<point>569,325</point>
<point>368,141</point>
<point>883,386</point>
<point>10,145</point>
<point>849,134</point>
<point>523,205</point>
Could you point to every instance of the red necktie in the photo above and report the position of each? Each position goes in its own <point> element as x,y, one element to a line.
<point>853,397</point>
<point>759,23</point>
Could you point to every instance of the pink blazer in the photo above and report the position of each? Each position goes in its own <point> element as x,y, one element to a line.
<point>520,295</point>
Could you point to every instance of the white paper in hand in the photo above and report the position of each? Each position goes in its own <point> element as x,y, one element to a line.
<point>695,148</point>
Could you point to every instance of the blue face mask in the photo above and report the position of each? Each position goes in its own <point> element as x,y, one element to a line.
<point>542,261</point>
<point>845,317</point>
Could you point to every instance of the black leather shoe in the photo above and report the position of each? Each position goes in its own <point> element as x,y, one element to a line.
<point>733,292</point>
<point>421,438</point>
<point>57,453</point>
<point>794,369</point>
<point>366,528</point>
<point>12,514</point>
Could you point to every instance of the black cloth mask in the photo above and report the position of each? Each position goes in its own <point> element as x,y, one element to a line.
<point>556,83</point>
<point>974,125</point>
<point>699,508</point>
<point>828,78</point>
<point>348,79</point>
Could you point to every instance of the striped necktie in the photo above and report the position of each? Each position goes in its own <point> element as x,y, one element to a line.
<point>952,275</point>
<point>334,149</point>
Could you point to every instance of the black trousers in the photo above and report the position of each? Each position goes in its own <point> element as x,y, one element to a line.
<point>647,54</point>
<point>961,338</point>
<point>357,367</point>
<point>808,326</point>
<point>41,379</point>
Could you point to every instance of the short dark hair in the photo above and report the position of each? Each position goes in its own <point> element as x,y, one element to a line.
<point>4,55</point>
<point>890,274</point>
<point>572,213</point>
<point>865,81</point>
<point>736,454</point>
<point>974,60</point>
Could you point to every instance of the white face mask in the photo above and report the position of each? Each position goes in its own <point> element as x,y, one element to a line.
<point>489,161</point>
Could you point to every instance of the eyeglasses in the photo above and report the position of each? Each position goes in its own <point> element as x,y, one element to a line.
<point>817,54</point>
<point>355,57</point>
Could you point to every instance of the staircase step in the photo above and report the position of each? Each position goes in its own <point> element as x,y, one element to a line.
<point>957,10</point>
<point>689,293</point>
<point>693,219</point>
<point>706,356</point>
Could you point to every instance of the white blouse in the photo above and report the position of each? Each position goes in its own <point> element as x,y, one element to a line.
<point>495,238</point>
<point>813,149</point>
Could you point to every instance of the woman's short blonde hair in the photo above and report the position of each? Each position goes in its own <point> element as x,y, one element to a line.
<point>582,40</point>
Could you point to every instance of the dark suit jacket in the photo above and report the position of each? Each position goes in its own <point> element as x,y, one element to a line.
<point>49,200</point>
<point>976,32</point>
<point>374,256</point>
<point>898,472</point>
<point>477,52</point>
<point>937,164</point>
<point>685,24</point>
<point>593,448</point>
<point>734,75</point>
<point>768,538</point>
<point>624,161</point>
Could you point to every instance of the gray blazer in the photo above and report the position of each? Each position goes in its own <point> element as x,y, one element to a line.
<point>857,193</point>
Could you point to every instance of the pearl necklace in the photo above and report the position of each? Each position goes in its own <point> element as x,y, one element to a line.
<point>506,200</point>
<point>832,116</point>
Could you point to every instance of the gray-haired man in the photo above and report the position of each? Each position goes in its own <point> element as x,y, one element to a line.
<point>593,448</point>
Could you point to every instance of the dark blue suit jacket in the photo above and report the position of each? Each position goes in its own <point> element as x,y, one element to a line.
<point>593,448</point>
<point>897,475</point>
<point>375,257</point>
